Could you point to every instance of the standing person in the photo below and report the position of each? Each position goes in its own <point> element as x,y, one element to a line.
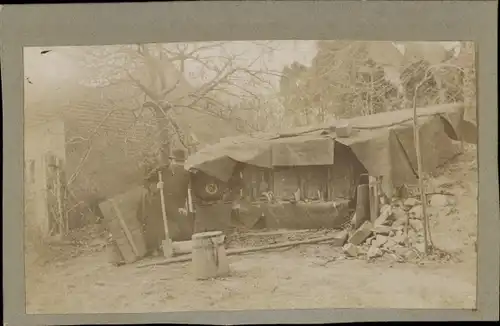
<point>176,195</point>
<point>175,188</point>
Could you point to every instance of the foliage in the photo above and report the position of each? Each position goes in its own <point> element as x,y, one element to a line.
<point>358,78</point>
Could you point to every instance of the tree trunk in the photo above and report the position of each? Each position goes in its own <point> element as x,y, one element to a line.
<point>441,88</point>
<point>469,82</point>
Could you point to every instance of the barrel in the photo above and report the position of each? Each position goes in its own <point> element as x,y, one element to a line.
<point>209,259</point>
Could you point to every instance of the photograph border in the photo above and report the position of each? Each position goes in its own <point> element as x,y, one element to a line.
<point>157,22</point>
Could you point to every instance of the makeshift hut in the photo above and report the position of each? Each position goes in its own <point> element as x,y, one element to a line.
<point>306,177</point>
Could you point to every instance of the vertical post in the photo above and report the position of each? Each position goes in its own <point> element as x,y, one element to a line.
<point>58,184</point>
<point>372,87</point>
<point>328,184</point>
<point>362,205</point>
<point>416,135</point>
<point>166,245</point>
<point>41,186</point>
<point>374,198</point>
<point>407,225</point>
<point>190,199</point>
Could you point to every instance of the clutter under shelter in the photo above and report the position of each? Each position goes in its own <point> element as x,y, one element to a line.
<point>308,177</point>
<point>305,178</point>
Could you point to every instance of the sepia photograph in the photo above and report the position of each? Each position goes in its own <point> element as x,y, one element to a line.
<point>249,175</point>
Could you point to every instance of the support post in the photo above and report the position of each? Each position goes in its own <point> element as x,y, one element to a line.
<point>167,243</point>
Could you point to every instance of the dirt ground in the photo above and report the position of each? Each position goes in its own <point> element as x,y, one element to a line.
<point>308,276</point>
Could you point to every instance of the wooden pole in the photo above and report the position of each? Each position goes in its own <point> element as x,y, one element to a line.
<point>416,136</point>
<point>190,199</point>
<point>407,222</point>
<point>372,87</point>
<point>163,209</point>
<point>167,248</point>
<point>58,185</point>
<point>237,251</point>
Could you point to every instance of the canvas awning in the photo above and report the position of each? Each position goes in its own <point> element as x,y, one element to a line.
<point>382,142</point>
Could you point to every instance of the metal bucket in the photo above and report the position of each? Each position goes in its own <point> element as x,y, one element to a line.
<point>209,259</point>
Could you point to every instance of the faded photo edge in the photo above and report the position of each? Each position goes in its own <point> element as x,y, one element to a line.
<point>12,68</point>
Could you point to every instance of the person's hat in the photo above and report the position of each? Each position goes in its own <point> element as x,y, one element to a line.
<point>179,154</point>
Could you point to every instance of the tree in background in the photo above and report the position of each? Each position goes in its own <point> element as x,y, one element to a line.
<point>467,60</point>
<point>349,79</point>
<point>179,81</point>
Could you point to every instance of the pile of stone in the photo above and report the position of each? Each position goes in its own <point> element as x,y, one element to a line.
<point>386,236</point>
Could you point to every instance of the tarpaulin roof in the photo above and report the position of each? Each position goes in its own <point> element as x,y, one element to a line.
<point>378,141</point>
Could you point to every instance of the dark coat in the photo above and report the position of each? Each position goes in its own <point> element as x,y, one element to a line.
<point>176,183</point>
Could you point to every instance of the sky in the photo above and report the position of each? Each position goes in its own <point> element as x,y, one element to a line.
<point>56,67</point>
<point>51,67</point>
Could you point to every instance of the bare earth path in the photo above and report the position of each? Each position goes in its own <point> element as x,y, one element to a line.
<point>292,279</point>
<point>302,277</point>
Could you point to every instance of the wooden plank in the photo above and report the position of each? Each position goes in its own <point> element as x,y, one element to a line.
<point>275,233</point>
<point>124,245</point>
<point>124,227</point>
<point>338,241</point>
<point>126,250</point>
<point>125,207</point>
<point>130,206</point>
<point>182,247</point>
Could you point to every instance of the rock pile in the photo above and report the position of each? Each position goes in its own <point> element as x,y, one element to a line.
<point>386,235</point>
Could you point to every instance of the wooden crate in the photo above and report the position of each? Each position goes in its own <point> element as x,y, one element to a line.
<point>121,214</point>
